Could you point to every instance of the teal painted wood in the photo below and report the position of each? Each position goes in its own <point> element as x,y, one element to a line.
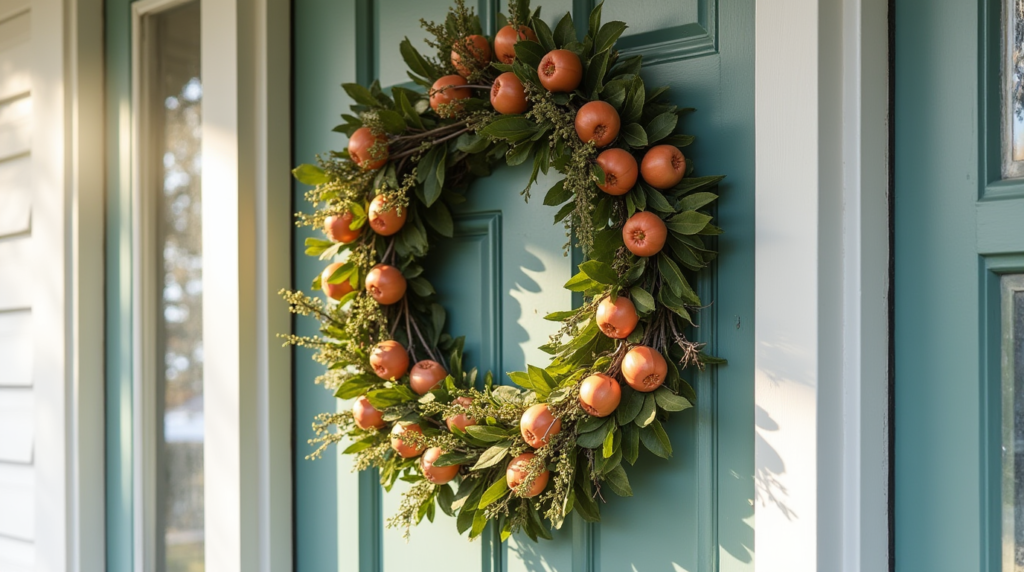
<point>951,246</point>
<point>118,375</point>
<point>699,516</point>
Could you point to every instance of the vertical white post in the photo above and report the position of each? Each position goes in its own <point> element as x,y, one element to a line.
<point>246,244</point>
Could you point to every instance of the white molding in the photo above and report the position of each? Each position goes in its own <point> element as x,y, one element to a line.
<point>245,67</point>
<point>821,331</point>
<point>67,270</point>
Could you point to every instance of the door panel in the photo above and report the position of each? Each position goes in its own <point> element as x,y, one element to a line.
<point>504,271</point>
<point>955,236</point>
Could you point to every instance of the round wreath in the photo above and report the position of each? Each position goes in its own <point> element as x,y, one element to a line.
<point>519,455</point>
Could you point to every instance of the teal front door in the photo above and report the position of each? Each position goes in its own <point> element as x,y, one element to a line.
<point>959,316</point>
<point>504,270</point>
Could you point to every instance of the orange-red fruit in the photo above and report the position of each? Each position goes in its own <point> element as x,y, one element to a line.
<point>386,222</point>
<point>461,420</point>
<point>538,425</point>
<point>447,90</point>
<point>425,375</point>
<point>334,291</point>
<point>644,234</point>
<point>560,71</point>
<point>338,228</point>
<point>477,47</point>
<point>597,121</point>
<point>386,284</point>
<point>663,166</point>
<point>405,450</point>
<point>517,472</point>
<point>505,41</point>
<point>507,94</point>
<point>436,475</point>
<point>359,148</point>
<point>366,415</point>
<point>619,171</point>
<point>617,319</point>
<point>600,395</point>
<point>644,368</point>
<point>389,360</point>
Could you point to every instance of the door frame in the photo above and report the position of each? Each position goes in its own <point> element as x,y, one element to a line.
<point>822,387</point>
<point>847,521</point>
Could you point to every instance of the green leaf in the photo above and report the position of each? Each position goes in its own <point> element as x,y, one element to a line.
<point>596,68</point>
<point>642,299</point>
<point>541,378</point>
<point>310,175</point>
<point>688,222</point>
<point>590,423</point>
<point>519,153</point>
<point>580,283</point>
<point>695,183</point>
<point>416,62</point>
<point>599,271</point>
<point>361,445</point>
<point>618,482</point>
<point>630,442</point>
<point>595,439</point>
<point>630,405</point>
<point>564,211</point>
<point>544,34</point>
<point>479,523</point>
<point>494,492</point>
<point>608,447</point>
<point>440,218</point>
<point>421,287</point>
<point>454,458</point>
<point>360,94</point>
<point>355,386</point>
<point>586,506</point>
<point>487,433</point>
<point>526,381</point>
<point>634,135</point>
<point>491,456</point>
<point>445,498</point>
<point>565,31</point>
<point>696,201</point>
<point>529,52</point>
<point>557,194</point>
<point>670,401</point>
<point>634,106</point>
<point>648,411</point>
<point>559,316</point>
<point>402,100</point>
<point>595,20</point>
<point>614,93</point>
<point>466,490</point>
<point>608,35</point>
<point>392,121</point>
<point>676,281</point>
<point>661,127</point>
<point>657,201</point>
<point>511,127</point>
<point>390,396</point>
<point>656,440</point>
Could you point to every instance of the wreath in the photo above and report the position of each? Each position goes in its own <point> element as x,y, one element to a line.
<point>479,451</point>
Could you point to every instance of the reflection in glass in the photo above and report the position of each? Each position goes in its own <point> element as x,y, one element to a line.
<point>176,125</point>
<point>1013,95</point>
<point>1013,422</point>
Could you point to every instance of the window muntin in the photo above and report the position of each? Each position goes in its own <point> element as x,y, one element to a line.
<point>1012,310</point>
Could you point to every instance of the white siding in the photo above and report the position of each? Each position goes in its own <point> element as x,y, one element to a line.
<point>17,423</point>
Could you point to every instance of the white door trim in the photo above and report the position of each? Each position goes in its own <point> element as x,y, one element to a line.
<point>821,324</point>
<point>246,259</point>
<point>67,274</point>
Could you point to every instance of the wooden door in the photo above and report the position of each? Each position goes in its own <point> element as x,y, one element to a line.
<point>504,271</point>
<point>959,242</point>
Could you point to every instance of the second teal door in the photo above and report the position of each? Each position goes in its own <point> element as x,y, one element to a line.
<point>504,271</point>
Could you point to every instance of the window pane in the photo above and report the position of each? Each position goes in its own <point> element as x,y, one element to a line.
<point>1013,422</point>
<point>176,108</point>
<point>1013,97</point>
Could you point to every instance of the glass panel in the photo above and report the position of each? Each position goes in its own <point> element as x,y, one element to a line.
<point>1013,96</point>
<point>1013,422</point>
<point>176,125</point>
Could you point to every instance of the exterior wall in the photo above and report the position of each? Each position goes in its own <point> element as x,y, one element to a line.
<point>17,484</point>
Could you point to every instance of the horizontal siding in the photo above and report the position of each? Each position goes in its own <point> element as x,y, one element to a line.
<point>14,51</point>
<point>17,497</point>
<point>15,127</point>
<point>17,405</point>
<point>15,195</point>
<point>15,277</point>
<point>16,425</point>
<point>15,349</point>
<point>17,555</point>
